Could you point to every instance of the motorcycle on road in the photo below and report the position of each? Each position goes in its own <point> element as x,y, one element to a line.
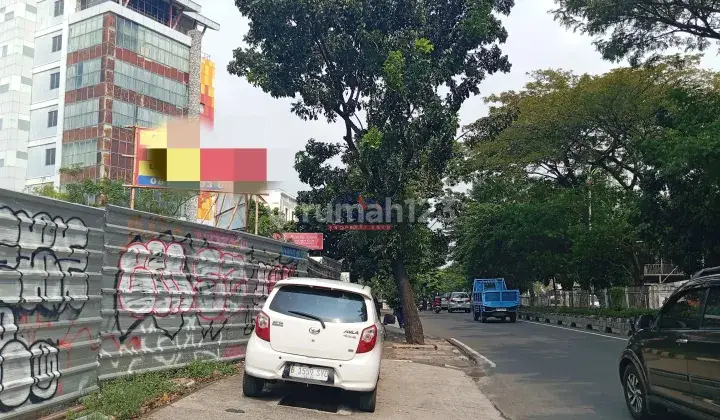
<point>437,305</point>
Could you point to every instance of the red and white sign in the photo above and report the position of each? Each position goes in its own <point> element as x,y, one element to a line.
<point>308,240</point>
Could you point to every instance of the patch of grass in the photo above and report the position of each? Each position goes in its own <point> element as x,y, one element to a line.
<point>124,398</point>
<point>203,370</point>
<point>127,398</point>
<point>597,312</point>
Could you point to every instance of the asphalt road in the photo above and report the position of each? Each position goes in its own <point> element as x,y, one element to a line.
<point>542,372</point>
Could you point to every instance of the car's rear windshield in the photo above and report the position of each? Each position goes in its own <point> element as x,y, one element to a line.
<point>336,306</point>
<point>459,295</point>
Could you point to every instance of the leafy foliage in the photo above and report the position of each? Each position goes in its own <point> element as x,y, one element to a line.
<point>590,312</point>
<point>585,179</point>
<point>270,221</point>
<point>105,191</point>
<point>635,28</point>
<point>382,62</point>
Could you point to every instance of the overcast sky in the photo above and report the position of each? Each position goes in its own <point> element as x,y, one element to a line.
<point>247,117</point>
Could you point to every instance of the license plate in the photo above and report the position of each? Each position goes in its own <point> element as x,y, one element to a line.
<point>501,310</point>
<point>306,372</point>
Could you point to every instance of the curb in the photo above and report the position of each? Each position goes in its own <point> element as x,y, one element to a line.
<point>478,358</point>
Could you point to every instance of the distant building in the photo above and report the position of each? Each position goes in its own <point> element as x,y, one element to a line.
<point>284,202</point>
<point>77,75</point>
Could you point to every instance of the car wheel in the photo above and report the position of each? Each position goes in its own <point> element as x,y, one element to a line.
<point>483,318</point>
<point>252,386</point>
<point>635,394</point>
<point>366,401</point>
<point>476,316</point>
<point>513,317</point>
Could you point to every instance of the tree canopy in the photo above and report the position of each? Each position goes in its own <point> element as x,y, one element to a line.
<point>587,178</point>
<point>394,73</point>
<point>632,29</point>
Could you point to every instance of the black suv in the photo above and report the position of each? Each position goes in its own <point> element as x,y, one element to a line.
<point>672,360</point>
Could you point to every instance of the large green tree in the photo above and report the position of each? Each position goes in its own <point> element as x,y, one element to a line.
<point>562,126</point>
<point>634,28</point>
<point>680,198</point>
<point>637,144</point>
<point>572,173</point>
<point>395,74</point>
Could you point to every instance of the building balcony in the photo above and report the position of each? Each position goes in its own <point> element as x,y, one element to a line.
<point>662,270</point>
<point>180,15</point>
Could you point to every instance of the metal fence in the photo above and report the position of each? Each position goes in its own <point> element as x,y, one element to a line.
<point>89,294</point>
<point>651,296</point>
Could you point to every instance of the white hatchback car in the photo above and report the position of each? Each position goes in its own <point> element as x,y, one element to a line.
<point>318,332</point>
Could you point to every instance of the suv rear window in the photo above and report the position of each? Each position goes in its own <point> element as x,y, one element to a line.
<point>460,296</point>
<point>334,306</point>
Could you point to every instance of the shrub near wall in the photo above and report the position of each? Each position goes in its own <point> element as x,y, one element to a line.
<point>603,320</point>
<point>590,312</point>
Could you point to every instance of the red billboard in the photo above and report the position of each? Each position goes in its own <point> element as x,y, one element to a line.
<point>312,241</point>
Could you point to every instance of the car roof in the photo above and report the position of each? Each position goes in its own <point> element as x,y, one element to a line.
<point>705,281</point>
<point>331,284</point>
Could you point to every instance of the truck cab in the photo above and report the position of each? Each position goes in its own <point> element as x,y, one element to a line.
<point>492,299</point>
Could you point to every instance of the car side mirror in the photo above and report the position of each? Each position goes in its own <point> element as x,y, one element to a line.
<point>644,322</point>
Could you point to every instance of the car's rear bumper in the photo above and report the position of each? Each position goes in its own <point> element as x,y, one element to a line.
<point>359,374</point>
<point>459,306</point>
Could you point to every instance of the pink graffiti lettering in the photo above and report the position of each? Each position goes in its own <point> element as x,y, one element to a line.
<point>233,351</point>
<point>157,279</point>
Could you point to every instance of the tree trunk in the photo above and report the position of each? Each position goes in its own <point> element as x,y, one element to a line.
<point>413,328</point>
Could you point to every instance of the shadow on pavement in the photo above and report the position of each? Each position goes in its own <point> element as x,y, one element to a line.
<point>312,397</point>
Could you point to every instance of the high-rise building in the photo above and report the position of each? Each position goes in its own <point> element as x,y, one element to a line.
<point>99,68</point>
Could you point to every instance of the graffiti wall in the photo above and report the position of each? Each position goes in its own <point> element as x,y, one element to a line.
<point>50,301</point>
<point>183,291</point>
<point>92,294</point>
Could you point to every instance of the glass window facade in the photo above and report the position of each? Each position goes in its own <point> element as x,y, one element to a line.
<point>56,43</point>
<point>148,83</point>
<point>123,115</point>
<point>80,153</point>
<point>82,74</point>
<point>87,33</point>
<point>59,8</point>
<point>55,80</point>
<point>82,114</point>
<point>152,45</point>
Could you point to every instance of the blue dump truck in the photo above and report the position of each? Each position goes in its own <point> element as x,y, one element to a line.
<point>492,299</point>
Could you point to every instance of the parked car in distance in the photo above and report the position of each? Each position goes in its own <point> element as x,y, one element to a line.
<point>317,332</point>
<point>671,360</point>
<point>445,301</point>
<point>459,301</point>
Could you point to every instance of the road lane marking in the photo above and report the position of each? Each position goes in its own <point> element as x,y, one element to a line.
<point>576,330</point>
<point>472,352</point>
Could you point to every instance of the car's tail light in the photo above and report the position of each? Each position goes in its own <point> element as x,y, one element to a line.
<point>262,326</point>
<point>368,338</point>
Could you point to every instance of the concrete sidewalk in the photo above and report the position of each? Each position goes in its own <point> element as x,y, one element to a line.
<point>414,385</point>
